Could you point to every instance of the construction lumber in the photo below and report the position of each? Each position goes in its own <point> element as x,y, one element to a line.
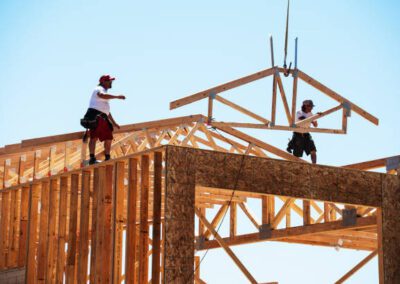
<point>130,259</point>
<point>225,247</point>
<point>221,88</point>
<point>332,94</point>
<point>318,115</point>
<point>62,229</point>
<point>52,231</point>
<point>23,226</point>
<point>144,226</point>
<point>43,232</point>
<point>370,165</point>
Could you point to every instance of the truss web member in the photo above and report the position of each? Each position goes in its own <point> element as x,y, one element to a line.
<point>303,142</point>
<point>99,112</point>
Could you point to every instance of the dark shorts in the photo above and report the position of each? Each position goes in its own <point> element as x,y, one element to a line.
<point>301,142</point>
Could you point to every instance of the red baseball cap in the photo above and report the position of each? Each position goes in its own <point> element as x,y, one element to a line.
<point>106,78</point>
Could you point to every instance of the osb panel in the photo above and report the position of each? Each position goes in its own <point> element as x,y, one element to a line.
<point>391,228</point>
<point>179,219</point>
<point>296,179</point>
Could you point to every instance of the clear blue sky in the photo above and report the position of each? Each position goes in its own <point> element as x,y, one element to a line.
<point>52,53</point>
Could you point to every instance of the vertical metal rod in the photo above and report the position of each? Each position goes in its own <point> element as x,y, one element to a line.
<point>295,53</point>
<point>272,50</point>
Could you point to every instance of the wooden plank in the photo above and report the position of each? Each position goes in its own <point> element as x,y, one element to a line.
<point>13,240</point>
<point>95,192</point>
<point>210,108</point>
<point>332,94</point>
<point>357,267</point>
<point>344,120</point>
<point>144,226</point>
<point>62,229</point>
<point>225,247</point>
<point>318,115</point>
<point>197,268</point>
<point>23,226</point>
<point>31,252</point>
<point>43,231</point>
<point>157,198</point>
<point>294,97</point>
<point>306,212</point>
<point>221,88</point>
<point>130,252</point>
<point>306,130</point>
<point>5,221</point>
<point>273,105</point>
<point>242,109</point>
<point>106,270</point>
<point>233,220</point>
<point>282,212</point>
<point>217,218</point>
<point>284,100</point>
<point>84,228</point>
<point>99,226</point>
<point>369,165</point>
<point>21,169</point>
<point>258,143</point>
<point>118,220</point>
<point>52,232</point>
<point>70,274</point>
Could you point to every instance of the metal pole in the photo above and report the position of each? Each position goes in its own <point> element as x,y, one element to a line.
<point>295,53</point>
<point>272,50</point>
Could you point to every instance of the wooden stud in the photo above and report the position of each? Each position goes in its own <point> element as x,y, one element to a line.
<point>52,231</point>
<point>106,270</point>
<point>379,225</point>
<point>210,108</point>
<point>5,221</point>
<point>155,275</point>
<point>99,250</point>
<point>130,252</point>
<point>43,231</point>
<point>144,226</point>
<point>283,96</point>
<point>84,228</point>
<point>273,111</point>
<point>118,220</point>
<point>62,227</point>
<point>13,241</point>
<point>70,274</point>
<point>233,220</point>
<point>31,273</point>
<point>21,169</point>
<point>306,212</point>
<point>23,226</point>
<point>294,97</point>
<point>95,191</point>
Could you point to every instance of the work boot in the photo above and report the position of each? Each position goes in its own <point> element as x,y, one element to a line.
<point>92,161</point>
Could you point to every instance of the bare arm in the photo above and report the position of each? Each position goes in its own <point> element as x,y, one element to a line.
<point>113,121</point>
<point>110,97</point>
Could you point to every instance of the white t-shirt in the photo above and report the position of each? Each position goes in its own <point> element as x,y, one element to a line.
<point>98,103</point>
<point>304,115</point>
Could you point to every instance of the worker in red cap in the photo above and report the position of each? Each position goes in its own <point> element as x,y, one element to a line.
<point>99,113</point>
<point>303,142</point>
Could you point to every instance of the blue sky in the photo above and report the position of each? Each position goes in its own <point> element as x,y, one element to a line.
<point>52,53</point>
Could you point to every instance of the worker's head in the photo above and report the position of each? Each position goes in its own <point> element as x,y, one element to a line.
<point>106,81</point>
<point>307,106</point>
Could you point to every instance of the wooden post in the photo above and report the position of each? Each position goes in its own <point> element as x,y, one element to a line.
<point>21,169</point>
<point>100,226</point>
<point>155,276</point>
<point>43,232</point>
<point>118,220</point>
<point>144,226</point>
<point>23,226</point>
<point>73,216</point>
<point>13,240</point>
<point>294,98</point>
<point>107,231</point>
<point>130,252</point>
<point>84,228</point>
<point>210,106</point>
<point>5,216</point>
<point>34,194</point>
<point>380,245</point>
<point>62,227</point>
<point>326,211</point>
<point>233,220</point>
<point>306,212</point>
<point>95,199</point>
<point>52,232</point>
<point>273,111</point>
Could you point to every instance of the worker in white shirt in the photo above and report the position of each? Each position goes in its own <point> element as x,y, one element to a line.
<point>303,142</point>
<point>99,111</point>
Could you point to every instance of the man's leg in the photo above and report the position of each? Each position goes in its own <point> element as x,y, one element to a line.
<point>92,149</point>
<point>107,149</point>
<point>314,157</point>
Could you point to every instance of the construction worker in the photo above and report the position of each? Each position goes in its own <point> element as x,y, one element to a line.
<point>303,142</point>
<point>99,111</point>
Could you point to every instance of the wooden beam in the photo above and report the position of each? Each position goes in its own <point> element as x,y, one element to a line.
<point>43,232</point>
<point>284,100</point>
<point>144,226</point>
<point>23,226</point>
<point>53,231</point>
<point>130,252</point>
<point>273,105</point>
<point>332,94</point>
<point>221,88</point>
<point>318,115</point>
<point>225,247</point>
<point>242,109</point>
<point>157,196</point>
<point>370,165</point>
<point>62,229</point>
<point>357,267</point>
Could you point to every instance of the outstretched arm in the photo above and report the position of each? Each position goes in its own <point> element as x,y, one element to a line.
<point>110,97</point>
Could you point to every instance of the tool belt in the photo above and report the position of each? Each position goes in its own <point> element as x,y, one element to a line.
<point>89,121</point>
